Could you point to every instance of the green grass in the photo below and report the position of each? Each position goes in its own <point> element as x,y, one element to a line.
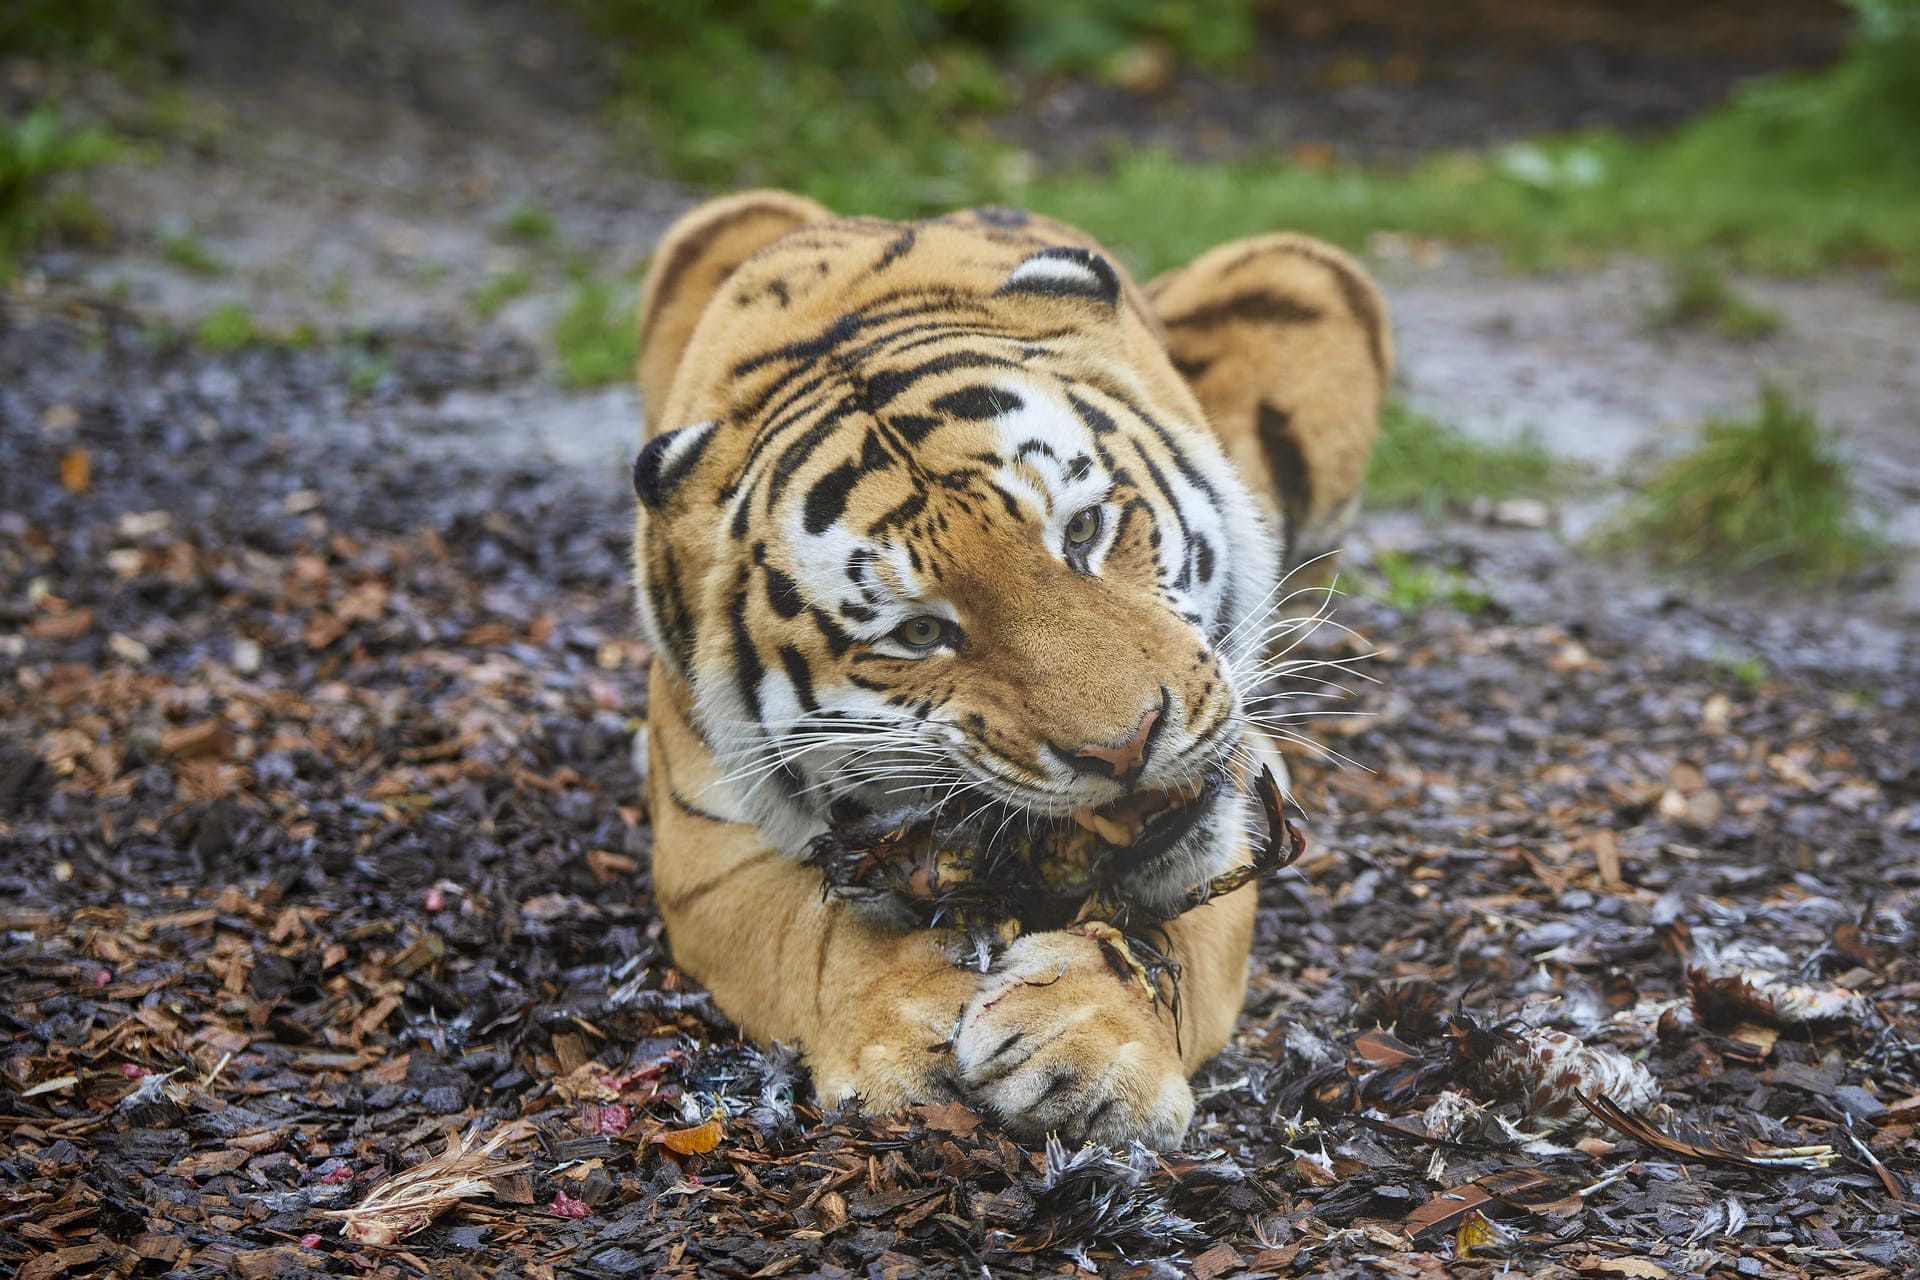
<point>876,106</point>
<point>191,255</point>
<point>228,327</point>
<point>1749,670</point>
<point>530,224</point>
<point>1766,493</point>
<point>882,107</point>
<point>232,326</point>
<point>1699,297</point>
<point>1409,585</point>
<point>367,366</point>
<point>595,335</point>
<point>35,150</point>
<point>1418,462</point>
<point>497,292</point>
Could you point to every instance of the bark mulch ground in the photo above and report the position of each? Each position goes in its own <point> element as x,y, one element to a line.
<point>325,890</point>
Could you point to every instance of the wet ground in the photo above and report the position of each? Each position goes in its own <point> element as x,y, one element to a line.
<point>316,689</point>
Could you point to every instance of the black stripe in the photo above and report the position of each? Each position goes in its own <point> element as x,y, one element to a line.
<point>1255,306</point>
<point>802,678</point>
<point>885,387</point>
<point>977,402</point>
<point>838,641</point>
<point>670,609</point>
<point>914,504</point>
<point>687,806</point>
<point>897,249</point>
<point>1287,467</point>
<point>795,455</point>
<point>783,593</point>
<point>827,499</point>
<point>747,667</point>
<point>1098,420</point>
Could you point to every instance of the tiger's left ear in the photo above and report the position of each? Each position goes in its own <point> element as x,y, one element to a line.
<point>1066,273</point>
<point>666,460</point>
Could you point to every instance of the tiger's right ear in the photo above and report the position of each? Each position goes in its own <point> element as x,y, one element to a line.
<point>666,461</point>
<point>1066,272</point>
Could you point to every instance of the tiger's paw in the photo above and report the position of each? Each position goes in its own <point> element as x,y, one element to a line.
<point>889,1077</point>
<point>1056,1041</point>
<point>894,1043</point>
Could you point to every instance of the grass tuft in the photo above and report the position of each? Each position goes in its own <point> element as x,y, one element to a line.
<point>1409,585</point>
<point>34,151</point>
<point>1699,297</point>
<point>493,296</point>
<point>530,224</point>
<point>191,255</point>
<point>228,327</point>
<point>595,336</point>
<point>1418,462</point>
<point>1767,493</point>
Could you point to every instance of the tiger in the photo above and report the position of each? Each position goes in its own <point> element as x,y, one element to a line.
<point>955,508</point>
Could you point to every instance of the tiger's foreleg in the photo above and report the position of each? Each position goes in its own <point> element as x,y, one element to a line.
<point>873,1008</point>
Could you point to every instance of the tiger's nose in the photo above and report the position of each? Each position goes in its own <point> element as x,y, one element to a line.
<point>1122,761</point>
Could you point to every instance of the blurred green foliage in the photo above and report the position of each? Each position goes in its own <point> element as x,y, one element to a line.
<point>34,150</point>
<point>595,335</point>
<point>1419,462</point>
<point>881,106</point>
<point>874,105</point>
<point>1767,492</point>
<point>1793,174</point>
<point>1403,582</point>
<point>1700,297</point>
<point>114,32</point>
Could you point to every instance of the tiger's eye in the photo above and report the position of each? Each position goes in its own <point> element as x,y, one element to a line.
<point>920,632</point>
<point>1082,528</point>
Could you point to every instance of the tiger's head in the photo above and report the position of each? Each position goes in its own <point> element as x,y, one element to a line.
<point>955,534</point>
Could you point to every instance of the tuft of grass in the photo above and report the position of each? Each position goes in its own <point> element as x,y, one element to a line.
<point>1765,493</point>
<point>1418,462</point>
<point>1747,669</point>
<point>34,151</point>
<point>595,335</point>
<point>1699,297</point>
<point>228,327</point>
<point>191,255</point>
<point>1409,585</point>
<point>367,367</point>
<point>497,292</point>
<point>530,224</point>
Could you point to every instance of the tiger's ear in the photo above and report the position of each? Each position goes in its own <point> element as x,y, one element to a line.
<point>1065,272</point>
<point>666,460</point>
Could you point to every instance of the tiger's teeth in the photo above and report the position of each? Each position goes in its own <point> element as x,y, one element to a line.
<point>1114,832</point>
<point>1086,820</point>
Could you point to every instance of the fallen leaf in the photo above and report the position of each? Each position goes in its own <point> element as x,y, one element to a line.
<point>949,1117</point>
<point>76,471</point>
<point>697,1141</point>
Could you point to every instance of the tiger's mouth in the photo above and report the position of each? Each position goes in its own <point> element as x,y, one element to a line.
<point>1147,823</point>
